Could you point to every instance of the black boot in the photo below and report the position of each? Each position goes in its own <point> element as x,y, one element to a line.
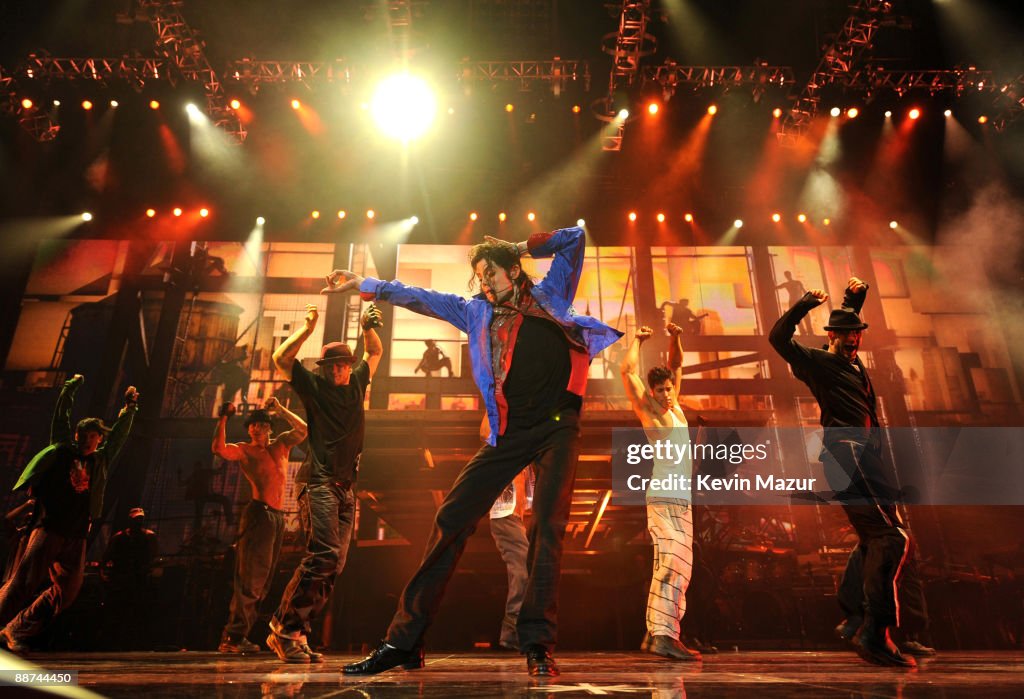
<point>539,662</point>
<point>847,628</point>
<point>873,644</point>
<point>384,657</point>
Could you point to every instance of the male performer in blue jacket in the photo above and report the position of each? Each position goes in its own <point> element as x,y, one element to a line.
<point>530,354</point>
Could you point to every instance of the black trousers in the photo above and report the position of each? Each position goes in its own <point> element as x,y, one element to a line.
<point>326,512</point>
<point>553,447</point>
<point>910,592</point>
<point>866,490</point>
<point>261,532</point>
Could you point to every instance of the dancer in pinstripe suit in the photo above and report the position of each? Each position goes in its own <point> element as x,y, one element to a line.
<point>669,515</point>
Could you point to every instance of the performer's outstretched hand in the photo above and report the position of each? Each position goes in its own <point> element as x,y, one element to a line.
<point>819,295</point>
<point>336,285</point>
<point>644,333</point>
<point>857,285</point>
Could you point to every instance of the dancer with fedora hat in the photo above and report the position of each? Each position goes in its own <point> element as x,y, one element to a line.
<point>333,399</point>
<point>264,463</point>
<point>852,456</point>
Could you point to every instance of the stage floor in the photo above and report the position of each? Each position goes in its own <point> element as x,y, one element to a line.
<point>766,675</point>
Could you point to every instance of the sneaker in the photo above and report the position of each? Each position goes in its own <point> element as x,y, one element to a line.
<point>287,650</point>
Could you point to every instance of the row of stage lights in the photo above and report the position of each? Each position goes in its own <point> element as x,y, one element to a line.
<point>653,108</point>
<point>531,216</point>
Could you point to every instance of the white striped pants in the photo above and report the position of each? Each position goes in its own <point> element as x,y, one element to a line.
<point>670,523</point>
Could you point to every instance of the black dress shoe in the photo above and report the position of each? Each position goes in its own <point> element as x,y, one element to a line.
<point>873,644</point>
<point>383,658</point>
<point>847,628</point>
<point>917,649</point>
<point>539,662</point>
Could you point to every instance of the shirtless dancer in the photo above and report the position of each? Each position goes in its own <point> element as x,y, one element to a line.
<point>669,515</point>
<point>264,462</point>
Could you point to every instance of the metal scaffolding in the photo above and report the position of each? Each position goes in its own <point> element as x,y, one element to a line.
<point>626,47</point>
<point>556,72</point>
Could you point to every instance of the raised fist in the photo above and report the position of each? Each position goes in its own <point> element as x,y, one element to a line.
<point>271,404</point>
<point>131,396</point>
<point>819,295</point>
<point>644,333</point>
<point>76,380</point>
<point>673,329</point>
<point>226,410</point>
<point>856,285</point>
<point>372,318</point>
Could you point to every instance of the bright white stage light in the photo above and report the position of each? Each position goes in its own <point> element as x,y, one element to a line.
<point>192,110</point>
<point>260,220</point>
<point>414,220</point>
<point>403,107</point>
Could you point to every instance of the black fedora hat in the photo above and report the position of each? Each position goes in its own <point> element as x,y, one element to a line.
<point>336,352</point>
<point>259,415</point>
<point>844,319</point>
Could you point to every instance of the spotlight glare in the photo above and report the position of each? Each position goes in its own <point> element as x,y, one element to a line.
<point>776,112</point>
<point>531,217</point>
<point>510,107</point>
<point>473,216</point>
<point>502,217</point>
<point>56,103</point>
<point>948,113</point>
<point>296,104</point>
<point>835,111</point>
<point>341,214</point>
<point>983,119</point>
<point>315,214</point>
<point>852,113</point>
<point>660,217</point>
<point>580,223</point>
<point>888,114</point>
<point>688,218</point>
<point>914,113</point>
<point>893,225</point>
<point>414,220</point>
<point>153,104</point>
<point>371,214</point>
<point>776,217</point>
<point>802,218</point>
<point>260,220</point>
<point>827,222</point>
<point>623,114</point>
<point>738,223</point>
<point>26,103</point>
<point>177,211</point>
<point>576,109</point>
<point>652,108</point>
<point>86,105</point>
<point>632,216</point>
<point>204,212</point>
<point>403,106</point>
<point>150,213</point>
<point>191,109</point>
<point>712,110</point>
<point>235,104</point>
<point>86,216</point>
<point>114,104</point>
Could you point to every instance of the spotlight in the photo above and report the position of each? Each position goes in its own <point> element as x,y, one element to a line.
<point>688,218</point>
<point>983,119</point>
<point>712,110</point>
<point>371,214</point>
<point>660,217</point>
<point>260,220</point>
<point>473,216</point>
<point>150,213</point>
<point>835,111</point>
<point>153,104</point>
<point>86,105</point>
<point>315,214</point>
<point>403,106</point>
<point>451,111</point>
<point>86,216</point>
<point>191,109</point>
<point>914,113</point>
<point>802,218</point>
<point>177,211</point>
<point>531,217</point>
<point>893,225</point>
<point>632,216</point>
<point>827,222</point>
<point>852,113</point>
<point>114,104</point>
<point>341,214</point>
<point>888,114</point>
<point>776,217</point>
<point>948,113</point>
<point>652,108</point>
<point>26,103</point>
<point>738,223</point>
<point>623,114</point>
<point>204,212</point>
<point>776,112</point>
<point>56,103</point>
<point>510,107</point>
<point>414,220</point>
<point>502,217</point>
<point>580,223</point>
<point>235,104</point>
<point>576,109</point>
<point>296,104</point>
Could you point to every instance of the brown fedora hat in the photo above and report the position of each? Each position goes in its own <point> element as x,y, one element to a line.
<point>336,352</point>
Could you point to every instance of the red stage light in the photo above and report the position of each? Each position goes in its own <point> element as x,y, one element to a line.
<point>177,211</point>
<point>150,213</point>
<point>661,217</point>
<point>852,112</point>
<point>235,104</point>
<point>802,218</point>
<point>315,214</point>
<point>502,217</point>
<point>712,110</point>
<point>652,108</point>
<point>531,217</point>
<point>827,222</point>
<point>776,112</point>
<point>86,105</point>
<point>632,215</point>
<point>153,104</point>
<point>914,113</point>
<point>26,103</point>
<point>576,109</point>
<point>204,212</point>
<point>509,107</point>
<point>473,216</point>
<point>776,217</point>
<point>341,214</point>
<point>688,218</point>
<point>983,119</point>
<point>296,104</point>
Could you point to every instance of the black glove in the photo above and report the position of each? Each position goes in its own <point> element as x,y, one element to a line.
<point>131,396</point>
<point>226,410</point>
<point>372,318</point>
